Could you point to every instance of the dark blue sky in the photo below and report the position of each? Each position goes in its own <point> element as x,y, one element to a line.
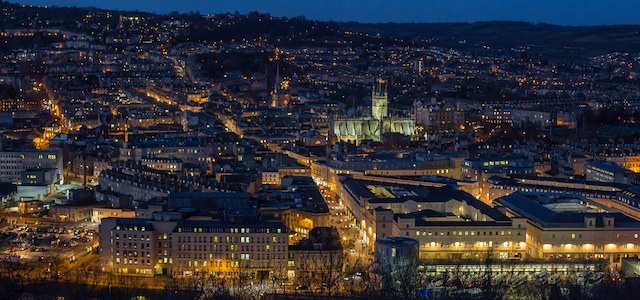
<point>563,12</point>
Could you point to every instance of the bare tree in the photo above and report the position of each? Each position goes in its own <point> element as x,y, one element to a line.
<point>402,281</point>
<point>16,276</point>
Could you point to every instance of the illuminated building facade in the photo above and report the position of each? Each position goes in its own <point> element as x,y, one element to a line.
<point>450,224</point>
<point>372,125</point>
<point>189,247</point>
<point>573,227</point>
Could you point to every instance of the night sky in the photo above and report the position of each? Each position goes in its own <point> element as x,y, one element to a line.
<point>562,12</point>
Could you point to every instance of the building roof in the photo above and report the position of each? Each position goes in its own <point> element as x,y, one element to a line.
<point>191,224</point>
<point>134,224</point>
<point>448,193</point>
<point>358,188</point>
<point>562,210</point>
<point>607,166</point>
<point>557,186</point>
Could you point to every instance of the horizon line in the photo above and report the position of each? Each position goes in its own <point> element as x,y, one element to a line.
<point>329,20</point>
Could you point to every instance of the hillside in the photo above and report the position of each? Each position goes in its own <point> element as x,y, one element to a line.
<point>541,39</point>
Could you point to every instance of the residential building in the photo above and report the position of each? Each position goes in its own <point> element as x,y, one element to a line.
<point>187,247</point>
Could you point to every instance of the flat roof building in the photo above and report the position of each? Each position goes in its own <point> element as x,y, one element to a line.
<point>573,227</point>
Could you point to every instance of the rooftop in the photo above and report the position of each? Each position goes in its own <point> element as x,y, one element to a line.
<point>607,166</point>
<point>562,210</point>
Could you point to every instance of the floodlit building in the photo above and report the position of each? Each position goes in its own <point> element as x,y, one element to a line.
<point>573,227</point>
<point>451,224</point>
<point>373,124</point>
<point>436,216</point>
<point>188,247</point>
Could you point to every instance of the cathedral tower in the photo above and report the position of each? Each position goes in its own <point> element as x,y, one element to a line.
<point>379,100</point>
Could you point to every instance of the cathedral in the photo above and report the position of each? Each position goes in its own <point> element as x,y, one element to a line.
<point>372,125</point>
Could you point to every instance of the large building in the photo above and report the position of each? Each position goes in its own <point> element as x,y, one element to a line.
<point>186,247</point>
<point>450,224</point>
<point>573,227</point>
<point>400,163</point>
<point>13,162</point>
<point>496,114</point>
<point>438,117</point>
<point>373,125</point>
<point>385,209</point>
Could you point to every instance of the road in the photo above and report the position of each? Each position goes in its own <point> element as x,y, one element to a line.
<point>357,253</point>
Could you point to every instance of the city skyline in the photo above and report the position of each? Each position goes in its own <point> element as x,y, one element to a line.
<point>590,13</point>
<point>253,156</point>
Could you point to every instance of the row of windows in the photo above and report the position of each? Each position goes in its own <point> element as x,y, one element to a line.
<point>229,256</point>
<point>226,263</point>
<point>229,239</point>
<point>132,245</point>
<point>465,233</point>
<point>260,248</point>
<point>630,203</point>
<point>133,253</point>
<point>471,244</point>
<point>229,230</point>
<point>131,228</point>
<point>133,261</point>
<point>579,236</point>
<point>134,237</point>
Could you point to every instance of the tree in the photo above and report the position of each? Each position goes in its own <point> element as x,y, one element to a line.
<point>16,275</point>
<point>402,282</point>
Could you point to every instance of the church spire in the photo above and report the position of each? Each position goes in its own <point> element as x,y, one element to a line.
<point>277,83</point>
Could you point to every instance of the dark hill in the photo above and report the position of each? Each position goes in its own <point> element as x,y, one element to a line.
<point>542,38</point>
